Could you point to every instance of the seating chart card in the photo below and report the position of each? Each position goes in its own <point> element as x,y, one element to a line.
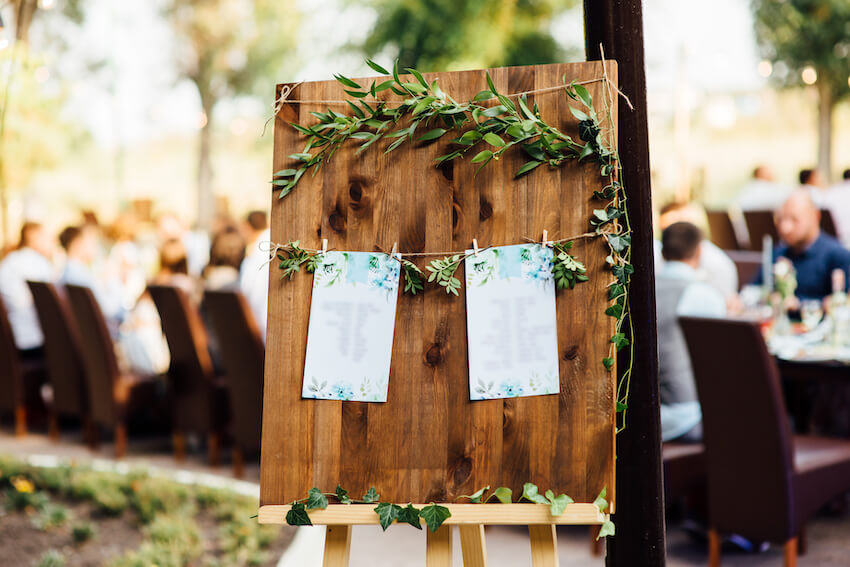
<point>511,322</point>
<point>350,334</point>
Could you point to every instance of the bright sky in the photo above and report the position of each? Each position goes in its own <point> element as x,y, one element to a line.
<point>136,96</point>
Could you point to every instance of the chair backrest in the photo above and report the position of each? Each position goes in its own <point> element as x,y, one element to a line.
<point>746,432</point>
<point>63,349</point>
<point>747,263</point>
<point>191,366</point>
<point>98,354</point>
<point>721,230</point>
<point>242,353</point>
<point>10,364</point>
<point>760,223</point>
<point>827,223</point>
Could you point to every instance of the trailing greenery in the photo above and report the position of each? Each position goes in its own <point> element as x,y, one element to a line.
<point>497,128</point>
<point>435,515</point>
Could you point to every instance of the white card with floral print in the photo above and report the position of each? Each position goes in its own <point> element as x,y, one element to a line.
<point>352,319</point>
<point>511,322</point>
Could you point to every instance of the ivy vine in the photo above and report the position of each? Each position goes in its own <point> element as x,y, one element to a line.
<point>492,123</point>
<point>435,515</point>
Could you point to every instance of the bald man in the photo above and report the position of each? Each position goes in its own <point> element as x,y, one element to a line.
<point>814,254</point>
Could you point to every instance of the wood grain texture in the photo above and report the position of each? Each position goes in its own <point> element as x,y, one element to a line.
<point>428,442</point>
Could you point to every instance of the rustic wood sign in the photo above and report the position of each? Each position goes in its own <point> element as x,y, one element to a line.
<point>429,442</point>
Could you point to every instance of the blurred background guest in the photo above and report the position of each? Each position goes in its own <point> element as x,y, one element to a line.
<point>812,181</point>
<point>813,254</point>
<point>762,193</point>
<point>254,272</point>
<point>226,255</point>
<point>81,246</point>
<point>124,261</point>
<point>174,268</point>
<point>714,265</point>
<point>196,243</point>
<point>680,291</point>
<point>29,261</point>
<point>838,204</point>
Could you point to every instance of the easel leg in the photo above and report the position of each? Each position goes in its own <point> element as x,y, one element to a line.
<point>438,549</point>
<point>544,546</point>
<point>337,546</point>
<point>472,545</point>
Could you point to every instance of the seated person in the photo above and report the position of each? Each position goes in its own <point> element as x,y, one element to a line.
<point>814,254</point>
<point>226,255</point>
<point>81,246</point>
<point>30,261</point>
<point>680,292</point>
<point>715,267</point>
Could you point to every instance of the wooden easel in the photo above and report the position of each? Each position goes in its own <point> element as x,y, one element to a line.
<point>470,519</point>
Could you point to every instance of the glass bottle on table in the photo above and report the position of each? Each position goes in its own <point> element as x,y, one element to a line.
<point>839,309</point>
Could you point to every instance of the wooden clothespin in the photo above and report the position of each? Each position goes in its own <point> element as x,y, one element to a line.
<point>475,246</point>
<point>324,246</point>
<point>394,250</point>
<point>546,238</point>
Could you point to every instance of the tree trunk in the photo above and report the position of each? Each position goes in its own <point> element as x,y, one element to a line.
<point>25,10</point>
<point>206,198</point>
<point>826,103</point>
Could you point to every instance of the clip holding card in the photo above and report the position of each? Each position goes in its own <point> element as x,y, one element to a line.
<point>393,254</point>
<point>475,246</point>
<point>546,241</point>
<point>324,246</point>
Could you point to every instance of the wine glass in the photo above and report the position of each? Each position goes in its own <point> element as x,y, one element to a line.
<point>811,312</point>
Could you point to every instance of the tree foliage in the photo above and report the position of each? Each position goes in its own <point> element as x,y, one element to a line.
<point>449,34</point>
<point>801,33</point>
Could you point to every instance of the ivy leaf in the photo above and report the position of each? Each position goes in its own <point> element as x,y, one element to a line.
<point>616,290</point>
<point>372,496</point>
<point>619,339</point>
<point>557,504</point>
<point>601,502</point>
<point>494,140</point>
<point>529,492</point>
<point>477,496</point>
<point>387,514</point>
<point>297,515</point>
<point>619,243</point>
<point>485,155</point>
<point>315,499</point>
<point>410,515</point>
<point>432,134</point>
<point>377,68</point>
<point>614,311</point>
<point>621,407</point>
<point>434,516</point>
<point>528,166</point>
<point>342,495</point>
<point>606,530</point>
<point>502,494</point>
<point>608,362</point>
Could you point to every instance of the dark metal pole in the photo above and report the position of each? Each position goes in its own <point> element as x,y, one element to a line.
<point>617,25</point>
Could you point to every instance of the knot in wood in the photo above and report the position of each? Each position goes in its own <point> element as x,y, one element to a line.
<point>434,355</point>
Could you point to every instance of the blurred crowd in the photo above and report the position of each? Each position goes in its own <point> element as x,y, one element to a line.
<point>695,277</point>
<point>118,260</point>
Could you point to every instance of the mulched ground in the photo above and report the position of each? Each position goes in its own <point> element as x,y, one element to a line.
<point>22,544</point>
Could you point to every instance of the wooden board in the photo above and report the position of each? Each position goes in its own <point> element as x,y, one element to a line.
<point>428,442</point>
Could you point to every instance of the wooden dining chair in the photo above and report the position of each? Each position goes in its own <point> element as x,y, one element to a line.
<point>242,353</point>
<point>63,350</point>
<point>198,397</point>
<point>114,396</point>
<point>20,380</point>
<point>747,264</point>
<point>763,482</point>
<point>759,224</point>
<point>721,230</point>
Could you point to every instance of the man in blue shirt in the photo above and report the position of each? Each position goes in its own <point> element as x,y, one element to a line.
<point>814,254</point>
